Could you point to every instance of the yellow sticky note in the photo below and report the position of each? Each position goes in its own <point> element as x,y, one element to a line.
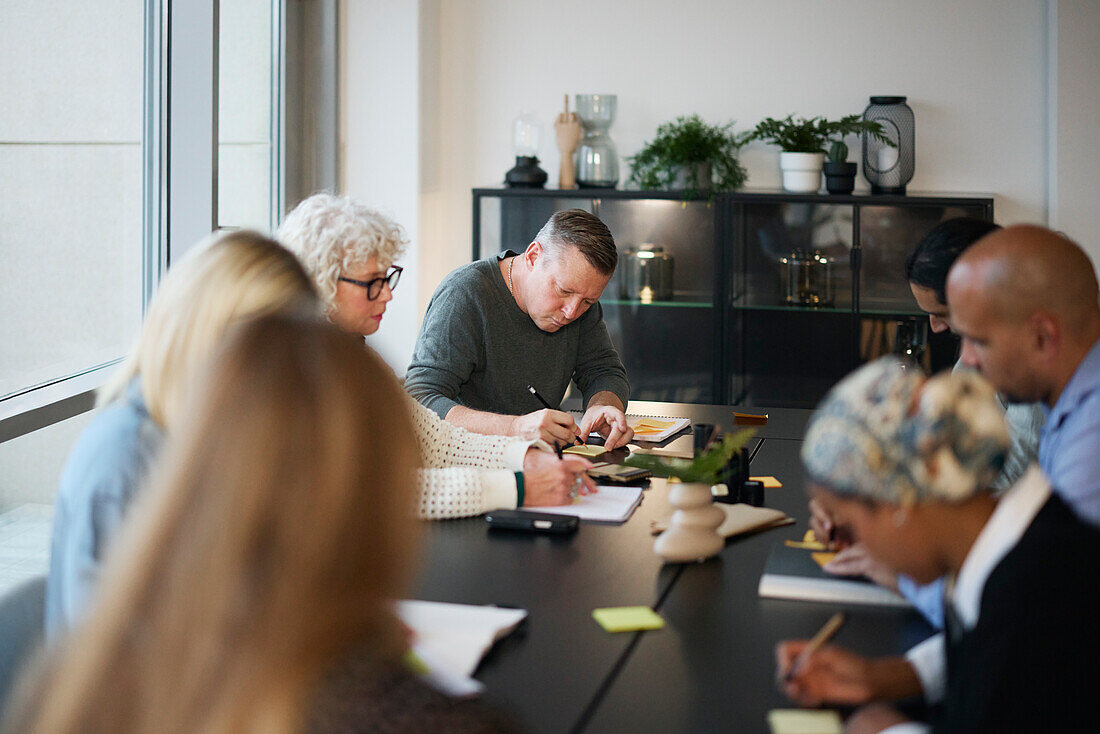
<point>804,545</point>
<point>802,721</point>
<point>628,619</point>
<point>768,482</point>
<point>822,558</point>
<point>653,423</point>
<point>587,449</point>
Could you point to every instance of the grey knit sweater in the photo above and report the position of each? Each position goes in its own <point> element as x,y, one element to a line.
<point>478,349</point>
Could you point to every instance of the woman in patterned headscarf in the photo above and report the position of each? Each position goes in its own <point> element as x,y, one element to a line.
<point>904,465</point>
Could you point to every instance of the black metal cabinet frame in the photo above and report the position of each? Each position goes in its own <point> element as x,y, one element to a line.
<point>523,211</point>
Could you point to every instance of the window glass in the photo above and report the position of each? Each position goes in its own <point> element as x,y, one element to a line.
<point>246,120</point>
<point>71,188</point>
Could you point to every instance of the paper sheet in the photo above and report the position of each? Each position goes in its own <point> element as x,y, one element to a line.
<point>608,504</point>
<point>740,518</point>
<point>451,639</point>
<point>768,482</point>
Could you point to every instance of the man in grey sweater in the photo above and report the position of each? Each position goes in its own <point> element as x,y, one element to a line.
<point>495,326</point>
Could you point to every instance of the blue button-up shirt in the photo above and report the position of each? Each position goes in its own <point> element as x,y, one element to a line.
<point>1069,445</point>
<point>102,475</point>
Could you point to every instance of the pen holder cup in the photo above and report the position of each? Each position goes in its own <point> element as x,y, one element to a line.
<point>735,475</point>
<point>702,435</point>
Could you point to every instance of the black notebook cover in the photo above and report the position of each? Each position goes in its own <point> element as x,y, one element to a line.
<point>791,573</point>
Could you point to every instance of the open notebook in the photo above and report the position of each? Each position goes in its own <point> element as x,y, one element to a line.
<point>609,504</point>
<point>654,429</point>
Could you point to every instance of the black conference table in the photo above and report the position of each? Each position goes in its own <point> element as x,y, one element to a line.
<point>710,669</point>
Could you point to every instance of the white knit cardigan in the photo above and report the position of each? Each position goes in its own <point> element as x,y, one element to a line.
<point>464,473</point>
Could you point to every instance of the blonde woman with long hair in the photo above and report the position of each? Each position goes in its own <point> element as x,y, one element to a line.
<point>226,279</point>
<point>253,589</point>
<point>350,251</point>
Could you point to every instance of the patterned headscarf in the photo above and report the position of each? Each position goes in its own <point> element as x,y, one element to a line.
<point>887,434</point>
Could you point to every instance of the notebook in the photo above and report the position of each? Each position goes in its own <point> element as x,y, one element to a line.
<point>609,504</point>
<point>451,639</point>
<point>792,573</point>
<point>655,429</point>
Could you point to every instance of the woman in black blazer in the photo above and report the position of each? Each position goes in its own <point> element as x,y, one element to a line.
<point>904,464</point>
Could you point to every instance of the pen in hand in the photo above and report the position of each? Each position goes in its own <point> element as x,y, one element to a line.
<point>823,635</point>
<point>531,389</point>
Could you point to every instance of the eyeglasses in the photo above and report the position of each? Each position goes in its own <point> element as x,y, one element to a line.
<point>374,285</point>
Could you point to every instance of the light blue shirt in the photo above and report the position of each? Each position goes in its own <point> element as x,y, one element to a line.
<point>1024,422</point>
<point>102,475</point>
<point>1069,445</point>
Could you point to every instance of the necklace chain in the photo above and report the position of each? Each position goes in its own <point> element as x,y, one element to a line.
<point>511,262</point>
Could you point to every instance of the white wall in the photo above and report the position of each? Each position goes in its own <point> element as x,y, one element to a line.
<point>1074,128</point>
<point>380,141</point>
<point>975,73</point>
<point>978,75</point>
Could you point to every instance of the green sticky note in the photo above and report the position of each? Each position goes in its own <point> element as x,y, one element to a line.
<point>589,450</point>
<point>628,619</point>
<point>803,721</point>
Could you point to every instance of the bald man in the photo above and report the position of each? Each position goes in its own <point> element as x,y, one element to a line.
<point>1025,302</point>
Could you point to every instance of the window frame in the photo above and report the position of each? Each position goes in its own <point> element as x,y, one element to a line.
<point>179,185</point>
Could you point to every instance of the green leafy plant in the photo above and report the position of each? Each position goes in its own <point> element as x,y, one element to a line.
<point>799,135</point>
<point>838,152</point>
<point>686,142</point>
<point>706,467</point>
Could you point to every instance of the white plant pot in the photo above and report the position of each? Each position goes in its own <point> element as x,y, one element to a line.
<point>692,533</point>
<point>801,171</point>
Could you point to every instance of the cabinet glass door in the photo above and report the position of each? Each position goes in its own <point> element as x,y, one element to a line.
<point>791,329</point>
<point>888,234</point>
<point>659,305</point>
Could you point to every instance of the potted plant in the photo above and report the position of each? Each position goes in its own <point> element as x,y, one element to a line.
<point>691,155</point>
<point>803,141</point>
<point>840,175</point>
<point>692,532</point>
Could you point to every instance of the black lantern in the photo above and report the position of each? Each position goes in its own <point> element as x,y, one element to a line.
<point>526,134</point>
<point>889,168</point>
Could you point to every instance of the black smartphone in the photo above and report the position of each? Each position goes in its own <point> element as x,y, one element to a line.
<point>617,473</point>
<point>535,522</point>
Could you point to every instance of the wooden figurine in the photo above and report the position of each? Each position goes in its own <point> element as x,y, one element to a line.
<point>568,129</point>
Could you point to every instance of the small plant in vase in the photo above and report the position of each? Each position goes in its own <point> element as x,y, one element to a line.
<point>802,142</point>
<point>691,155</point>
<point>692,532</point>
<point>840,175</point>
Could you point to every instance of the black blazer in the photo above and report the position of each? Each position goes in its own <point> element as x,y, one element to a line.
<point>1032,663</point>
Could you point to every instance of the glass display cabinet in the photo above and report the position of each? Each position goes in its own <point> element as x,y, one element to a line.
<point>752,298</point>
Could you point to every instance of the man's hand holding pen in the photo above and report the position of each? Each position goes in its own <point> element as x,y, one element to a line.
<point>552,426</point>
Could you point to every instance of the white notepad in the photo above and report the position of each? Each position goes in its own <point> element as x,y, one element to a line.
<point>609,504</point>
<point>451,639</point>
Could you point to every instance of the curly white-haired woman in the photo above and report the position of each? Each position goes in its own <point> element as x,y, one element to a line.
<point>350,250</point>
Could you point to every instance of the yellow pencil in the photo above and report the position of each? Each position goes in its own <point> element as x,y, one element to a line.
<point>823,635</point>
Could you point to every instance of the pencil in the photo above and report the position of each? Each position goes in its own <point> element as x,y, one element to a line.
<point>531,389</point>
<point>823,635</point>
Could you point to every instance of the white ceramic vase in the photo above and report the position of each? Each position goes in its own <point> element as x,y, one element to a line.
<point>801,171</point>
<point>692,532</point>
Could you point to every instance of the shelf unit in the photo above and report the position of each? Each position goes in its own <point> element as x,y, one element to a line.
<point>727,336</point>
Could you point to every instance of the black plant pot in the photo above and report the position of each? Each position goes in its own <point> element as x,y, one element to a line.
<point>840,178</point>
